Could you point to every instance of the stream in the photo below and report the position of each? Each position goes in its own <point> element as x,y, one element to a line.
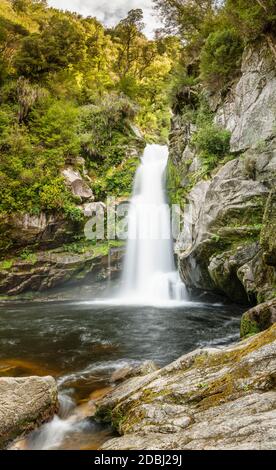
<point>82,344</point>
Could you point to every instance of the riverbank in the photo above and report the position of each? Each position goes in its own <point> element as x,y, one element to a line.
<point>210,399</point>
<point>83,344</point>
<point>221,398</point>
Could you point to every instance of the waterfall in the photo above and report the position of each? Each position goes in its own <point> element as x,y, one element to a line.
<point>149,274</point>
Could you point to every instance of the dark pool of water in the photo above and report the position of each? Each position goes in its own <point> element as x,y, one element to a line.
<point>82,344</point>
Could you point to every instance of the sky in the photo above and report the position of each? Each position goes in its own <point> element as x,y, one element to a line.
<point>110,12</point>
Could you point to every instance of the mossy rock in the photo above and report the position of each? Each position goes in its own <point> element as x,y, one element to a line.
<point>258,319</point>
<point>267,239</point>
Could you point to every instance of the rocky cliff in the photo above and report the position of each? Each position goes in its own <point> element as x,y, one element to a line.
<point>227,243</point>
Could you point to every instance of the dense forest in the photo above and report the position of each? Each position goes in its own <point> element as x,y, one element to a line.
<point>72,88</point>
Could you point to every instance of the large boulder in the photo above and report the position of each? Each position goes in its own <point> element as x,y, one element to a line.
<point>258,318</point>
<point>25,403</point>
<point>207,399</point>
<point>77,184</point>
<point>222,224</point>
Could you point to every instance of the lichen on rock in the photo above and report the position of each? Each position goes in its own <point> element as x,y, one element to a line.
<point>25,403</point>
<point>204,400</point>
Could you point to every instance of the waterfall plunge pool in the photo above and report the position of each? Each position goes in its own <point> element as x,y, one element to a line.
<point>82,344</point>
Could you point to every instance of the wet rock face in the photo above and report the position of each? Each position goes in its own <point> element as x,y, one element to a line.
<point>221,225</point>
<point>249,110</point>
<point>25,403</point>
<point>227,243</point>
<point>207,399</point>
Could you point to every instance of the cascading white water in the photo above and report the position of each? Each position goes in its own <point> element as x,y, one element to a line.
<point>149,274</point>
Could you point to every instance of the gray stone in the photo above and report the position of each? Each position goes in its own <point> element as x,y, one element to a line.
<point>25,403</point>
<point>220,212</point>
<point>92,208</point>
<point>207,399</point>
<point>43,231</point>
<point>250,108</point>
<point>258,318</point>
<point>77,184</point>
<point>130,371</point>
<point>48,269</point>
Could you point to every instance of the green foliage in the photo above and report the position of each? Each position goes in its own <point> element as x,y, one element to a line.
<point>6,265</point>
<point>60,44</point>
<point>70,88</point>
<point>252,18</point>
<point>212,143</point>
<point>103,125</point>
<point>29,256</point>
<point>117,181</point>
<point>85,246</point>
<point>220,58</point>
<point>72,212</point>
<point>55,125</point>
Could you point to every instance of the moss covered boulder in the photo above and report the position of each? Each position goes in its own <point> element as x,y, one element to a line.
<point>258,318</point>
<point>207,399</point>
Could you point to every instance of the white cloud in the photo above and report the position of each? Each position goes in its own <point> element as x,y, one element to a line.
<point>110,12</point>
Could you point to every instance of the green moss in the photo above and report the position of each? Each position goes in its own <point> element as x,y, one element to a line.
<point>6,265</point>
<point>267,238</point>
<point>255,320</point>
<point>29,256</point>
<point>235,356</point>
<point>99,248</point>
<point>248,326</point>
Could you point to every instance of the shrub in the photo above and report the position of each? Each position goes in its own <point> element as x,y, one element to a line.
<point>29,256</point>
<point>212,143</point>
<point>73,213</point>
<point>52,195</point>
<point>220,58</point>
<point>55,124</point>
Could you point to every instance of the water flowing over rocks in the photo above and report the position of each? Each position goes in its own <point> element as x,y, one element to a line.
<point>25,403</point>
<point>227,243</point>
<point>207,399</point>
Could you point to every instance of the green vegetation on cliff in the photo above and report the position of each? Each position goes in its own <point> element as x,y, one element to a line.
<point>70,88</point>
